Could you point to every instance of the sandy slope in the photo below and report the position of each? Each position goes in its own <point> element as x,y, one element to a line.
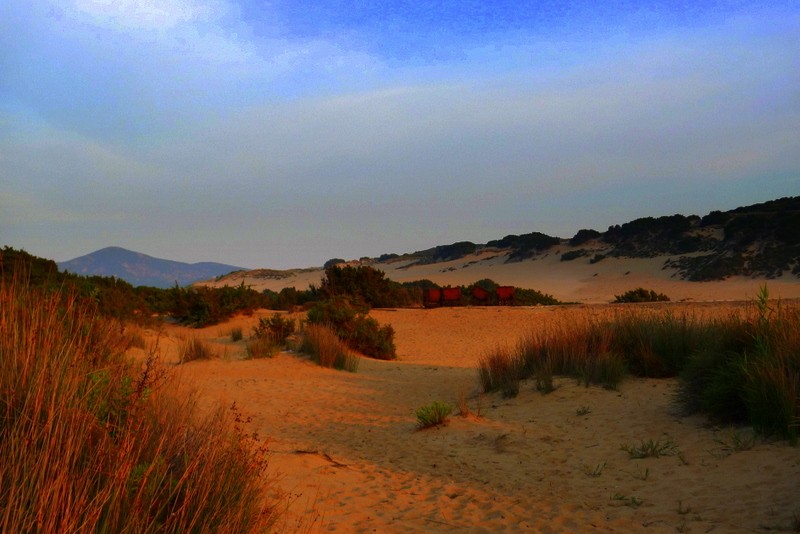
<point>350,459</point>
<point>569,281</point>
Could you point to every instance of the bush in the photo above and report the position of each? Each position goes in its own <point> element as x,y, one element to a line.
<point>433,414</point>
<point>355,328</point>
<point>202,306</point>
<point>277,327</point>
<point>93,442</point>
<point>533,297</point>
<point>365,285</point>
<point>574,254</point>
<point>582,236</point>
<point>641,295</point>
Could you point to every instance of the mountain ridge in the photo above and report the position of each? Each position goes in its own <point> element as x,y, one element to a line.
<point>141,269</point>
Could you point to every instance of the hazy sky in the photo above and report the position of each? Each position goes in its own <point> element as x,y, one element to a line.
<point>283,133</point>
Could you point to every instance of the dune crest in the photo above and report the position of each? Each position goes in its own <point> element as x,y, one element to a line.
<point>576,280</point>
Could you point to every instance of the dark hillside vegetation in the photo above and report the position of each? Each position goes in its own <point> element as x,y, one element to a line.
<point>113,297</point>
<point>761,240</point>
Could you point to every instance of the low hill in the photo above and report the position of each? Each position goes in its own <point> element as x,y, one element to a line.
<point>733,252</point>
<point>142,270</point>
<point>761,240</point>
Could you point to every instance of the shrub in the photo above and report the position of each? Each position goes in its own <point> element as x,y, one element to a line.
<point>201,306</point>
<point>277,327</point>
<point>365,285</point>
<point>574,254</point>
<point>433,414</point>
<point>93,442</point>
<point>582,236</point>
<point>532,297</point>
<point>370,338</point>
<point>324,347</point>
<point>355,328</point>
<point>641,295</point>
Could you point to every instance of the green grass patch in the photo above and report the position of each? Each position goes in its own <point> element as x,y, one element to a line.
<point>433,414</point>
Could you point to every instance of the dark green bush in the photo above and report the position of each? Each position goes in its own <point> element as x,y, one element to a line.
<point>532,297</point>
<point>365,285</point>
<point>574,254</point>
<point>201,306</point>
<point>582,236</point>
<point>355,328</point>
<point>277,327</point>
<point>641,295</point>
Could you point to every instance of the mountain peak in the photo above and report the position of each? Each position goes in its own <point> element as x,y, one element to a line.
<point>142,270</point>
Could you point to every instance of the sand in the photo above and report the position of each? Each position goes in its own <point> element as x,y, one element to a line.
<point>347,455</point>
<point>569,281</point>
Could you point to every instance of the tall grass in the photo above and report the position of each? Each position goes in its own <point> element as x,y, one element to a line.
<point>90,441</point>
<point>327,349</point>
<point>741,368</point>
<point>194,348</point>
<point>262,347</point>
<point>501,369</point>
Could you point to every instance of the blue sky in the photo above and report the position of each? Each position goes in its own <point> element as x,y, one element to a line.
<point>284,133</point>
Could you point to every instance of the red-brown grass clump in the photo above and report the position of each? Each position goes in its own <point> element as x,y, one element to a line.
<point>327,349</point>
<point>93,442</point>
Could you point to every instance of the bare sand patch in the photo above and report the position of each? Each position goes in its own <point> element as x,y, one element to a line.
<point>349,458</point>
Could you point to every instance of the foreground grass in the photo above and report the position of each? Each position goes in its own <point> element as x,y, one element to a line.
<point>743,368</point>
<point>90,441</point>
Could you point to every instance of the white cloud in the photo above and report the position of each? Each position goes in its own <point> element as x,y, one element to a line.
<point>146,14</point>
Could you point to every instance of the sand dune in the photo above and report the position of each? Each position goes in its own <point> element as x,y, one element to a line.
<point>349,458</point>
<point>569,281</point>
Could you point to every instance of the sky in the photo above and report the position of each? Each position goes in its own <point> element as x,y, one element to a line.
<point>283,133</point>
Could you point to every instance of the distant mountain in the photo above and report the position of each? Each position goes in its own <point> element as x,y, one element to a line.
<point>142,270</point>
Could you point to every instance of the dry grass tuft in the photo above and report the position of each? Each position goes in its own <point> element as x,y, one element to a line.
<point>195,348</point>
<point>327,349</point>
<point>93,442</point>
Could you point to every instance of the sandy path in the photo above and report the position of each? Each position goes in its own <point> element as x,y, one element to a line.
<point>350,459</point>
